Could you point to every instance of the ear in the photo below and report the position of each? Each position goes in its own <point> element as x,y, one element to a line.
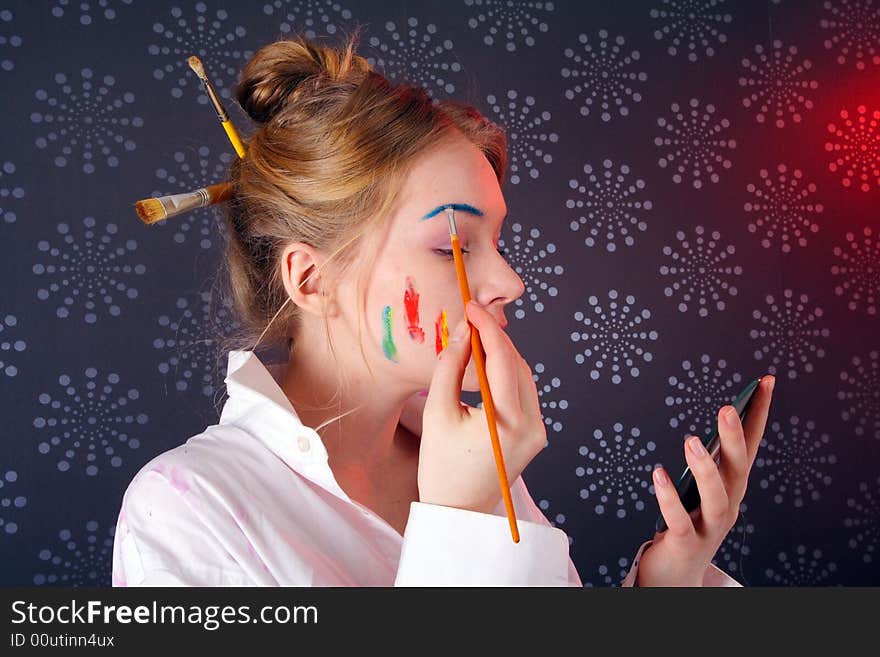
<point>299,262</point>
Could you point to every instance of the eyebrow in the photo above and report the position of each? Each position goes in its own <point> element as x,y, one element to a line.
<point>463,207</point>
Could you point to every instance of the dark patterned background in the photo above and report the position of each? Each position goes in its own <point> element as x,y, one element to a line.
<point>693,201</point>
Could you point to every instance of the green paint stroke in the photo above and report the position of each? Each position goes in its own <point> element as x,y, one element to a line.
<point>388,338</point>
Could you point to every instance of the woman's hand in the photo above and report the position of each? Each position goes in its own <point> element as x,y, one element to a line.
<point>456,460</point>
<point>680,555</point>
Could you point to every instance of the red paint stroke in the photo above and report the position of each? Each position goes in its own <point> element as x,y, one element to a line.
<point>411,303</point>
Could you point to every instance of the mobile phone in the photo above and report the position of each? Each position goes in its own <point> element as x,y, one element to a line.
<point>686,486</point>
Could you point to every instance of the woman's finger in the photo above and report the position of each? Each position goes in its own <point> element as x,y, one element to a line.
<point>714,502</point>
<point>756,420</point>
<point>528,392</point>
<point>502,368</point>
<point>444,392</point>
<point>734,465</point>
<point>678,521</point>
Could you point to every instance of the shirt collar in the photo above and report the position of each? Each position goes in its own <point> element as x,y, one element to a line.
<point>257,403</point>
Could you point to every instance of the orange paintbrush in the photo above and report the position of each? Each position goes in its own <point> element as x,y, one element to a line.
<point>480,362</point>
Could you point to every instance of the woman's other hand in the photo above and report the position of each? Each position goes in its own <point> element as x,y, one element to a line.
<point>680,555</point>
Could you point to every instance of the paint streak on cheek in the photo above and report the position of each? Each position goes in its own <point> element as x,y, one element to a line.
<point>387,337</point>
<point>411,303</point>
<point>441,330</point>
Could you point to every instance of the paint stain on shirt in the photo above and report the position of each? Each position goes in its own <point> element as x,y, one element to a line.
<point>178,480</point>
<point>441,329</point>
<point>387,337</point>
<point>411,303</point>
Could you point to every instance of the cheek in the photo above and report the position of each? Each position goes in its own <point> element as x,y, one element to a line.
<point>410,323</point>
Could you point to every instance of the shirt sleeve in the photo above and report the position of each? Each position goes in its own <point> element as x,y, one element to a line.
<point>161,541</point>
<point>713,576</point>
<point>447,546</point>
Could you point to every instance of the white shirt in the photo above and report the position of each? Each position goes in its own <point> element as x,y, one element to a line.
<point>252,501</point>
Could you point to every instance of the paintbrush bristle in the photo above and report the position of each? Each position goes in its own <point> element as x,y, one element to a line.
<point>150,210</point>
<point>196,65</point>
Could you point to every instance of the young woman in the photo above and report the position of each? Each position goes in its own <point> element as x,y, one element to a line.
<point>330,468</point>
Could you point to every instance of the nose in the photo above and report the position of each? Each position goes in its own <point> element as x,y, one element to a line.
<point>498,286</point>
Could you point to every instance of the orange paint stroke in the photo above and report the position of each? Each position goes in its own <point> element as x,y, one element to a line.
<point>441,329</point>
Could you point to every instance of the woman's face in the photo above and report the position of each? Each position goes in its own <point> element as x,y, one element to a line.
<point>413,299</point>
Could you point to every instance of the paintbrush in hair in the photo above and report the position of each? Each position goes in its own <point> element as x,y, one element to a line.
<point>196,65</point>
<point>151,210</point>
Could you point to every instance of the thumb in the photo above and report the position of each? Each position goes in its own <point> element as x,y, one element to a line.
<point>445,388</point>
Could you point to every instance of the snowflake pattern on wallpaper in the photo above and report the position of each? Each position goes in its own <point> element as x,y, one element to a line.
<point>735,549</point>
<point>699,393</point>
<point>857,270</point>
<point>8,344</point>
<point>603,76</point>
<point>609,206</point>
<point>509,21</point>
<point>91,267</point>
<point>85,561</point>
<point>216,41</point>
<point>188,342</point>
<point>10,193</point>
<point>777,86</point>
<point>783,208</point>
<point>700,271</point>
<point>691,26</point>
<point>7,40</point>
<point>10,503</point>
<point>609,575</point>
<point>617,474</point>
<point>194,169</point>
<point>854,27</point>
<point>855,148</point>
<point>306,16</point>
<point>790,334</point>
<point>862,520</point>
<point>527,134</point>
<point>416,56</point>
<point>87,10</point>
<point>89,420</point>
<point>794,462</point>
<point>615,338</point>
<point>861,395</point>
<point>694,143</point>
<point>549,399</point>
<point>533,264</point>
<point>89,121</point>
<point>803,568</point>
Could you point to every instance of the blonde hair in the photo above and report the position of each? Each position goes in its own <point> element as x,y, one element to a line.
<point>325,166</point>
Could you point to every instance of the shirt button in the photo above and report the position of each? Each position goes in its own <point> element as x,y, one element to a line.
<point>304,444</point>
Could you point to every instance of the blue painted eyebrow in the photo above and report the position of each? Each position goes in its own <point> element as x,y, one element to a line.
<point>463,207</point>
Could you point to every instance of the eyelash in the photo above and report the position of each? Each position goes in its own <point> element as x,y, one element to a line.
<point>448,252</point>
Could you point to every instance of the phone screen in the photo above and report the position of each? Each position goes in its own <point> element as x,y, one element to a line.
<point>686,486</point>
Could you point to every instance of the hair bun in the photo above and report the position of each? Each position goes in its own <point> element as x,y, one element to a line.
<point>279,69</point>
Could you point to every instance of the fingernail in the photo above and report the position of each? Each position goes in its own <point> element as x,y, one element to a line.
<point>729,416</point>
<point>696,446</point>
<point>460,331</point>
<point>660,477</point>
<point>771,384</point>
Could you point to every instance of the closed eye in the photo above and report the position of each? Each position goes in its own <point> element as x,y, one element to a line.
<point>448,252</point>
